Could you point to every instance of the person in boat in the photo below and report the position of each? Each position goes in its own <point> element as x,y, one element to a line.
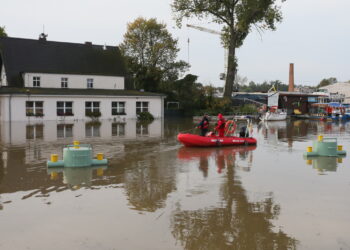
<point>243,132</point>
<point>221,125</point>
<point>204,125</point>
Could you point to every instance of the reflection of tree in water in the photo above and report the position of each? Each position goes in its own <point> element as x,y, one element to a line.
<point>239,224</point>
<point>148,180</point>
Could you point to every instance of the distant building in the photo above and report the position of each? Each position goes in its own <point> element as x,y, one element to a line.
<point>45,80</point>
<point>340,89</point>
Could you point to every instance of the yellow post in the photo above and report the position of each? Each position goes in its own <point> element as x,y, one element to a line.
<point>54,157</point>
<point>99,156</point>
<point>309,162</point>
<point>53,175</point>
<point>340,160</point>
<point>320,138</point>
<point>100,172</point>
<point>340,147</point>
<point>309,149</point>
<point>76,144</point>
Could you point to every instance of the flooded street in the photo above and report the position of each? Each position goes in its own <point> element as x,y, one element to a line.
<point>156,194</point>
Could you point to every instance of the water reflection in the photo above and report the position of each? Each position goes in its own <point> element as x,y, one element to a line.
<point>20,132</point>
<point>223,156</point>
<point>238,223</point>
<point>324,163</point>
<point>75,178</point>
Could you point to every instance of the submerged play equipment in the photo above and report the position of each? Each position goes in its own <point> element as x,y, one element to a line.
<point>325,147</point>
<point>77,155</point>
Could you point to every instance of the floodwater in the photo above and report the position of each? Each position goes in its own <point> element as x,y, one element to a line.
<point>156,194</point>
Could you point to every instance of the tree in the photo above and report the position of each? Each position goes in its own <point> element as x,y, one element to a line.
<point>325,82</point>
<point>237,16</point>
<point>2,32</point>
<point>151,52</point>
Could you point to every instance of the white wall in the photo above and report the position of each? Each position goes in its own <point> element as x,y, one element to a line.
<point>74,81</point>
<point>16,105</point>
<point>3,80</point>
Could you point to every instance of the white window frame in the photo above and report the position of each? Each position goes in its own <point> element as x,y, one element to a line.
<point>65,108</point>
<point>64,82</point>
<point>143,107</point>
<point>90,83</point>
<point>119,108</point>
<point>36,81</point>
<point>95,106</point>
<point>36,107</point>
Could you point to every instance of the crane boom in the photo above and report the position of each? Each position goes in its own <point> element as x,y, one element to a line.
<point>204,29</point>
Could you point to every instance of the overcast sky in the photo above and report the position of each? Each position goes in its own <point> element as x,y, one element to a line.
<point>314,35</point>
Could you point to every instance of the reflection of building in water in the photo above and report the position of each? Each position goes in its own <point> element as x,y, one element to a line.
<point>323,163</point>
<point>235,223</point>
<point>20,132</point>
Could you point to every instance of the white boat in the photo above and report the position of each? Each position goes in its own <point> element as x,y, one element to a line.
<point>277,115</point>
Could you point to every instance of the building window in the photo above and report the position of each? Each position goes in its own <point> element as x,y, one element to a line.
<point>36,81</point>
<point>64,82</point>
<point>90,83</point>
<point>64,130</point>
<point>118,129</point>
<point>34,108</point>
<point>118,108</point>
<point>141,107</point>
<point>64,109</point>
<point>92,109</point>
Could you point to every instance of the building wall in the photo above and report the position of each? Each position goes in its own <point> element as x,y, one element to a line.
<point>3,80</point>
<point>14,106</point>
<point>74,81</point>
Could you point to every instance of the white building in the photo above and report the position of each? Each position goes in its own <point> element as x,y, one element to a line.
<point>44,80</point>
<point>341,89</point>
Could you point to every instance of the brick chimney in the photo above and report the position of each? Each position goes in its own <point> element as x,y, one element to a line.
<point>291,78</point>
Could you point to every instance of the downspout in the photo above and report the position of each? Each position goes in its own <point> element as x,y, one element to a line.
<point>10,117</point>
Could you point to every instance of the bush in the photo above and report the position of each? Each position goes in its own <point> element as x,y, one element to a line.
<point>145,116</point>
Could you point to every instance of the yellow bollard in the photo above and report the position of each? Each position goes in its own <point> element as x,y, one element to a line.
<point>309,162</point>
<point>53,175</point>
<point>99,156</point>
<point>309,149</point>
<point>100,172</point>
<point>76,144</point>
<point>340,147</point>
<point>340,160</point>
<point>320,138</point>
<point>54,157</point>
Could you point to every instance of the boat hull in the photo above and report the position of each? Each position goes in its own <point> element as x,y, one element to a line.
<point>190,140</point>
<point>279,116</point>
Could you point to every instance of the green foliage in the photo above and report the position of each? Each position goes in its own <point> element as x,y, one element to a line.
<point>93,115</point>
<point>150,52</point>
<point>2,32</point>
<point>325,82</point>
<point>145,116</point>
<point>263,87</point>
<point>238,18</point>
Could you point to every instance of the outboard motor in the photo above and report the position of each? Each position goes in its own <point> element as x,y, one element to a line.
<point>243,132</point>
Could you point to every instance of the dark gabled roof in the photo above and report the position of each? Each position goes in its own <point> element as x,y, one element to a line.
<point>27,55</point>
<point>67,91</point>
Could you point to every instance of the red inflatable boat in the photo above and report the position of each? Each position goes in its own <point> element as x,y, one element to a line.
<point>190,140</point>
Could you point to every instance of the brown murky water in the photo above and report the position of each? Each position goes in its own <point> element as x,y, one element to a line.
<point>156,194</point>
